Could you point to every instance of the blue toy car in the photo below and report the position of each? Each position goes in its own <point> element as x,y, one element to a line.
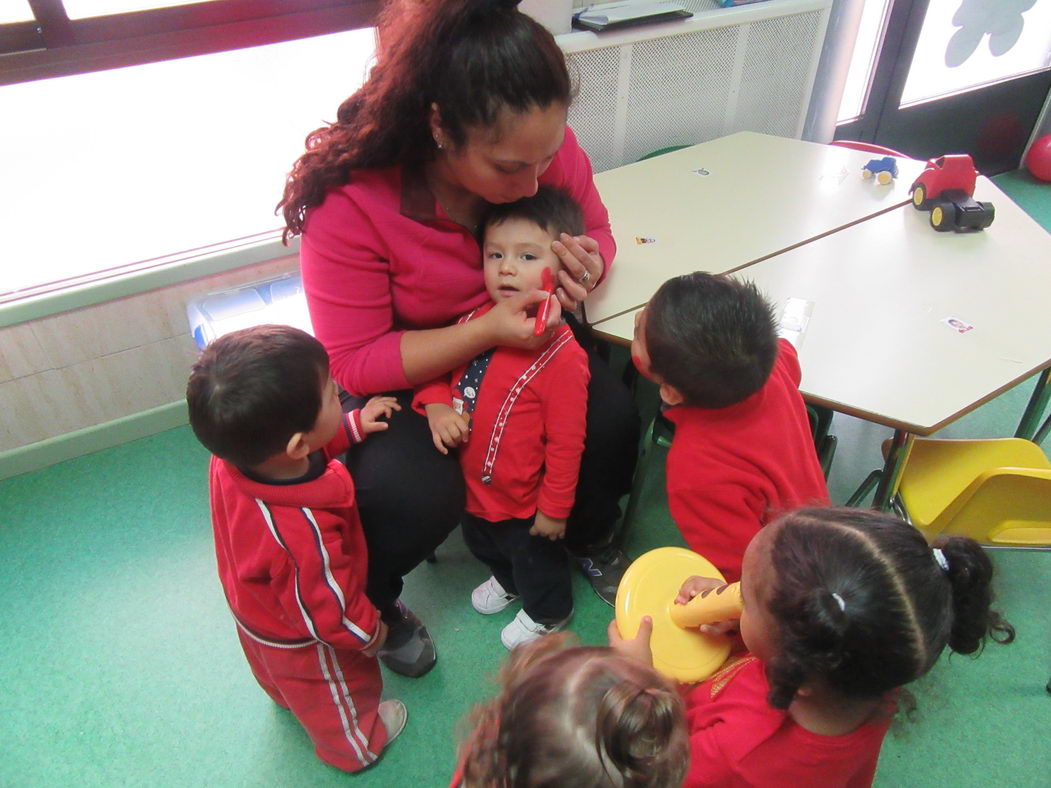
<point>885,169</point>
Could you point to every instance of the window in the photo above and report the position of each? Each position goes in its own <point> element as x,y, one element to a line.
<point>146,141</point>
<point>863,59</point>
<point>971,45</point>
<point>127,171</point>
<point>49,38</point>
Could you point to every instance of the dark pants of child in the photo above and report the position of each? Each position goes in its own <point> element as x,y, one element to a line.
<point>534,567</point>
<point>334,694</point>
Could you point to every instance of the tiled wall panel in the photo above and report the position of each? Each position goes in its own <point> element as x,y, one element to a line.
<point>89,366</point>
<point>20,352</point>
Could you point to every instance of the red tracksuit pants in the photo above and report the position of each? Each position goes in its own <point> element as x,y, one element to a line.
<point>333,693</point>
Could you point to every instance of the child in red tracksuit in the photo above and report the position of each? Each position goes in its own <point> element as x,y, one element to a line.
<point>518,418</point>
<point>743,453</point>
<point>290,548</point>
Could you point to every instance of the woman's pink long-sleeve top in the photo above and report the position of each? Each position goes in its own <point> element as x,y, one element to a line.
<point>380,257</point>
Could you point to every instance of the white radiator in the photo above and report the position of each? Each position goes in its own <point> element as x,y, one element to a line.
<point>749,68</point>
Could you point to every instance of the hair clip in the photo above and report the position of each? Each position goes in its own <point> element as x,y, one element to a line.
<point>939,557</point>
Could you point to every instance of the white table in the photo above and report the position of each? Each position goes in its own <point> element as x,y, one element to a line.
<point>728,203</point>
<point>876,346</point>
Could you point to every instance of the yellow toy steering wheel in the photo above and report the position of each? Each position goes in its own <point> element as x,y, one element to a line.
<point>649,587</point>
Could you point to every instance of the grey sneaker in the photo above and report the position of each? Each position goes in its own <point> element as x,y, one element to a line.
<point>604,568</point>
<point>524,629</point>
<point>394,714</point>
<point>408,649</point>
<point>490,597</point>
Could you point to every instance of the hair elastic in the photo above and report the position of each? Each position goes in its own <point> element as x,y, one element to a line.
<point>840,601</point>
<point>939,556</point>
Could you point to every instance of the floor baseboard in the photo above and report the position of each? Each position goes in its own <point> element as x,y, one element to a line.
<point>91,439</point>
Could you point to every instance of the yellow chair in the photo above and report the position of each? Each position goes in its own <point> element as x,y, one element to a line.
<point>997,492</point>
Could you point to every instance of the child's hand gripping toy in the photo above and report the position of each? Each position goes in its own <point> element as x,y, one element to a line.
<point>649,587</point>
<point>547,284</point>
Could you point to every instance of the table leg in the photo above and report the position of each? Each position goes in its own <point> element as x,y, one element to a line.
<point>1037,402</point>
<point>890,477</point>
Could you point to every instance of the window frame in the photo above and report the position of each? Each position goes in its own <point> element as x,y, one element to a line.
<point>53,45</point>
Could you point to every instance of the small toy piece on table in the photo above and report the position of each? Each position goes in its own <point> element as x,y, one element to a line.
<point>649,587</point>
<point>945,187</point>
<point>1038,159</point>
<point>885,169</point>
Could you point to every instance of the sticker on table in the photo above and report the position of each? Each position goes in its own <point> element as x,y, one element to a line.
<point>834,175</point>
<point>957,325</point>
<point>794,319</point>
<point>701,171</point>
<point>642,239</point>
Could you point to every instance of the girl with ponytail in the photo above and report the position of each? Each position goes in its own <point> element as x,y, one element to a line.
<point>842,608</point>
<point>465,106</point>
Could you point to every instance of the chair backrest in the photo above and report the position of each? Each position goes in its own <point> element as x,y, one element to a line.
<point>869,147</point>
<point>1004,507</point>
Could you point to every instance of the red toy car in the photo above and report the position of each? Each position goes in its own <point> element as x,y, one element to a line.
<point>945,187</point>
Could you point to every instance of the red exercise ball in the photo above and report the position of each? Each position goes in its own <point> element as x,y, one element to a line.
<point>1038,160</point>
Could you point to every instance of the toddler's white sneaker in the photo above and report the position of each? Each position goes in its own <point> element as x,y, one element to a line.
<point>393,714</point>
<point>490,597</point>
<point>524,629</point>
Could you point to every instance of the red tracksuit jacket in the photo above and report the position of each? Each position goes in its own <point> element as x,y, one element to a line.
<point>738,740</point>
<point>732,470</point>
<point>292,558</point>
<point>527,429</point>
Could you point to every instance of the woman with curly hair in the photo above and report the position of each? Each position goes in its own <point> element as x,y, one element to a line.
<point>465,107</point>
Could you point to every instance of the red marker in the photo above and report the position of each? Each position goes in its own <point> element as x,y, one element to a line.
<point>547,284</point>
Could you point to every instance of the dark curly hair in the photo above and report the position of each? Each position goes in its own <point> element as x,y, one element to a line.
<point>899,608</point>
<point>579,715</point>
<point>471,58</point>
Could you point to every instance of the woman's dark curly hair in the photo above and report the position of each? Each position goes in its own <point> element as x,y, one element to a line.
<point>899,607</point>
<point>574,715</point>
<point>471,58</point>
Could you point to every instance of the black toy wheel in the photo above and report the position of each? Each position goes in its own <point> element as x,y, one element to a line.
<point>943,216</point>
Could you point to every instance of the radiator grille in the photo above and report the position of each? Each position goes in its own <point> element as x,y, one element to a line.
<point>634,98</point>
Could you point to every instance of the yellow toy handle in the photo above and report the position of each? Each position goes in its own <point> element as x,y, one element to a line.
<point>711,605</point>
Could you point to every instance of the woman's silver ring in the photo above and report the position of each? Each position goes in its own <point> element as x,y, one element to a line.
<point>585,277</point>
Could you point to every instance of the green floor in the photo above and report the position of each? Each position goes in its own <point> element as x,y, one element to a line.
<point>122,666</point>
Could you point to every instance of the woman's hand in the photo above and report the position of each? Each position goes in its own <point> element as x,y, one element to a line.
<point>511,321</point>
<point>582,266</point>
<point>638,648</point>
<point>373,410</point>
<point>448,428</point>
